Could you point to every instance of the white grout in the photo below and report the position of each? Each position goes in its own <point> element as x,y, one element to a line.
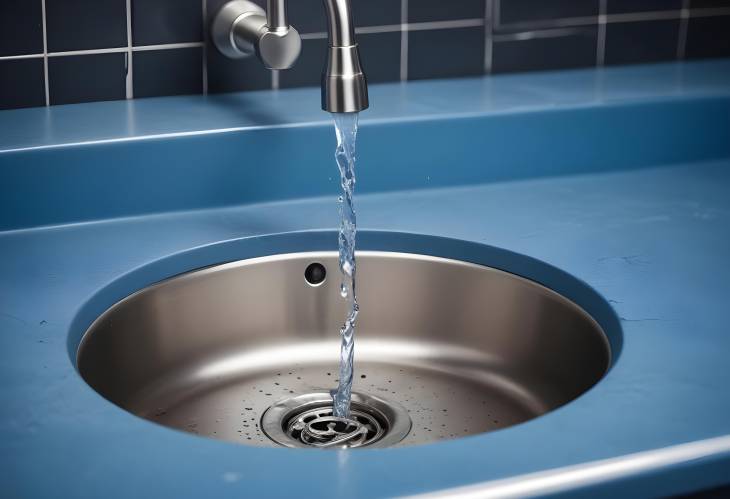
<point>657,15</point>
<point>404,40</point>
<point>601,36</point>
<point>386,28</point>
<point>205,52</point>
<point>69,53</point>
<point>275,79</point>
<point>540,33</point>
<point>167,46</point>
<point>488,34</point>
<point>491,21</point>
<point>130,63</point>
<point>565,22</point>
<point>405,26</point>
<point>23,56</point>
<point>394,28</point>
<point>319,35</point>
<point>683,26</point>
<point>45,54</point>
<point>433,25</point>
<point>630,17</point>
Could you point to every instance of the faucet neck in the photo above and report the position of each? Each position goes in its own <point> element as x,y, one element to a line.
<point>341,27</point>
<point>276,14</point>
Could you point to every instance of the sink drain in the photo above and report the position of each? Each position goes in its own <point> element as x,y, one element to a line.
<point>308,421</point>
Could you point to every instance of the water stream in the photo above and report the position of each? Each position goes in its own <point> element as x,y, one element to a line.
<point>346,130</point>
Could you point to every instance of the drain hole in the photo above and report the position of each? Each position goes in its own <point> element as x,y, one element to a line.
<point>319,428</point>
<point>315,274</point>
<point>307,421</point>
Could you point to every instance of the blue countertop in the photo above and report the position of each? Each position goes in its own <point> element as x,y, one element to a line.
<point>574,178</point>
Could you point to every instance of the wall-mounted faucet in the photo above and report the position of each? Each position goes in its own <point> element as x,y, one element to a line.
<point>241,28</point>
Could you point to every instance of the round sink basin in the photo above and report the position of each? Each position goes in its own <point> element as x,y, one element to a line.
<point>444,349</point>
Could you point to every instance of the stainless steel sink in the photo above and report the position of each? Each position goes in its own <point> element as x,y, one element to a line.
<point>446,348</point>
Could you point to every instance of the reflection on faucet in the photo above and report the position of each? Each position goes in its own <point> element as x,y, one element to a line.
<point>242,28</point>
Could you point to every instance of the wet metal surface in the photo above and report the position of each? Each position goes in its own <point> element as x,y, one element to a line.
<point>466,349</point>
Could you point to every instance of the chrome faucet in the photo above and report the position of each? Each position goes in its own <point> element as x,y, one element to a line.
<point>241,28</point>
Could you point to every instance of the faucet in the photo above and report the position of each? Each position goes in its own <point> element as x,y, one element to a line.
<point>241,28</point>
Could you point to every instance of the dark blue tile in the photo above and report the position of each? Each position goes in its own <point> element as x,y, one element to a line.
<point>376,12</point>
<point>235,75</point>
<point>445,53</point>
<point>308,16</point>
<point>85,24</point>
<point>22,83</point>
<point>21,27</point>
<point>307,72</point>
<point>168,72</point>
<point>708,37</point>
<point>440,10</point>
<point>622,6</point>
<point>709,4</point>
<point>86,78</point>
<point>574,50</point>
<point>380,54</point>
<point>166,21</point>
<point>645,41</point>
<point>521,11</point>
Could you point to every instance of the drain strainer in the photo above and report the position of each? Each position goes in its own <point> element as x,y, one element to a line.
<point>307,421</point>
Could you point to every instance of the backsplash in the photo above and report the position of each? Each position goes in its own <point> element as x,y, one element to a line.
<point>68,51</point>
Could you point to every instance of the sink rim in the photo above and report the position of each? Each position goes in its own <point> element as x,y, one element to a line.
<point>564,284</point>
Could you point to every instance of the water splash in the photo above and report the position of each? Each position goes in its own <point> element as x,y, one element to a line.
<point>346,130</point>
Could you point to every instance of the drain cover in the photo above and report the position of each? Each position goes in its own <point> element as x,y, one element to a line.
<point>307,421</point>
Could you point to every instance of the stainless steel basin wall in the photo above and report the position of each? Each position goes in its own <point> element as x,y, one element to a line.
<point>465,348</point>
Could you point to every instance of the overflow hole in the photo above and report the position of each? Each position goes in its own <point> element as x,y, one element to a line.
<point>315,274</point>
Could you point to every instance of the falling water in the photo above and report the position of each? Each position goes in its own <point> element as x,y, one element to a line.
<point>346,129</point>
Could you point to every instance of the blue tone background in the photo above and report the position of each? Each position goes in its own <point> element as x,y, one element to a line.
<point>101,50</point>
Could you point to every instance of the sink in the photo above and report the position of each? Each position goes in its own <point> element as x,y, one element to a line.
<point>445,348</point>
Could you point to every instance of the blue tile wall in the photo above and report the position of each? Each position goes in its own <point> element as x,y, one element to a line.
<point>21,83</point>
<point>168,72</point>
<point>68,51</point>
<point>85,24</point>
<point>574,49</point>
<point>21,27</point>
<point>643,41</point>
<point>86,78</point>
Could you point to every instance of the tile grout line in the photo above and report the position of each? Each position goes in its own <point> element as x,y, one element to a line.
<point>45,54</point>
<point>393,28</point>
<point>601,35</point>
<point>204,14</point>
<point>539,26</point>
<point>683,27</point>
<point>167,46</point>
<point>540,33</point>
<point>497,20</point>
<point>488,39</point>
<point>275,79</point>
<point>130,66</point>
<point>404,40</point>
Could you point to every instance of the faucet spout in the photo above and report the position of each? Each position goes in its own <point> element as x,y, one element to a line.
<point>242,28</point>
<point>344,85</point>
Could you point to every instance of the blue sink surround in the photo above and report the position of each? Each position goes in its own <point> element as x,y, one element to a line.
<point>620,177</point>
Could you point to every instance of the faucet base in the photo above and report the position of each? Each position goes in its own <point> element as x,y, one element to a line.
<point>233,17</point>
